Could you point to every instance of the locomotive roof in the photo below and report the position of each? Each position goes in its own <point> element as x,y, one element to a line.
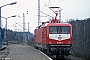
<point>54,24</point>
<point>57,24</point>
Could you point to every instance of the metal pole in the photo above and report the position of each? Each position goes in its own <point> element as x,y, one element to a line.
<point>6,32</point>
<point>38,12</point>
<point>23,28</point>
<point>0,30</point>
<point>60,15</point>
<point>28,30</point>
<point>6,29</point>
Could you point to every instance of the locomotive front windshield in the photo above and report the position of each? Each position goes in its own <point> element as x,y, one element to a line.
<point>59,29</point>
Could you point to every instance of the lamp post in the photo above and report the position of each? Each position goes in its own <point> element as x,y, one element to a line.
<point>6,28</point>
<point>0,22</point>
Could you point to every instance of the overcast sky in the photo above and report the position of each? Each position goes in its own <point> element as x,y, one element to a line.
<point>72,9</point>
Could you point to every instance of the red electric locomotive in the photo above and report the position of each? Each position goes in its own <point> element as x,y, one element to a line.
<point>54,38</point>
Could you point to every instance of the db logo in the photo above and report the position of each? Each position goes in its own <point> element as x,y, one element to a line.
<point>59,38</point>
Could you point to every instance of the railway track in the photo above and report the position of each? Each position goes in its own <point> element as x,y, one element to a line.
<point>51,58</point>
<point>69,57</point>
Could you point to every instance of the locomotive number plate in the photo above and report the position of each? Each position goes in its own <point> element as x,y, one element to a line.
<point>59,42</point>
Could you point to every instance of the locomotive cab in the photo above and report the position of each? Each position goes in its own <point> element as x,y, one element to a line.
<point>59,39</point>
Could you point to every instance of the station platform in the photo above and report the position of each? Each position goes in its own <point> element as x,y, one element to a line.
<point>22,52</point>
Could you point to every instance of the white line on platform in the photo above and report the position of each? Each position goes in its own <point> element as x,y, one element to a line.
<point>45,55</point>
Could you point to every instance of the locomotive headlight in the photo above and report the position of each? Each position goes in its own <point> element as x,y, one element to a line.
<point>68,42</point>
<point>50,42</point>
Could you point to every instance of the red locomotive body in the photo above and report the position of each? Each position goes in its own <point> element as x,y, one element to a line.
<point>54,38</point>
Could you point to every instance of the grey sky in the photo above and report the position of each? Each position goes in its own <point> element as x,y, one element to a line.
<point>71,9</point>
